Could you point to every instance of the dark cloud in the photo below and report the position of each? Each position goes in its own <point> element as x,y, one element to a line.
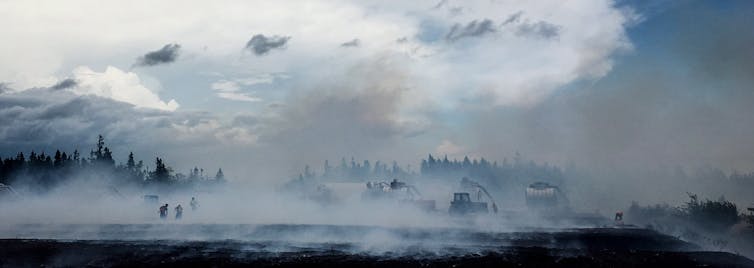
<point>440,4</point>
<point>4,87</point>
<point>45,120</point>
<point>455,11</point>
<point>522,27</point>
<point>167,54</point>
<point>353,43</point>
<point>474,28</point>
<point>65,84</point>
<point>541,29</point>
<point>514,18</point>
<point>261,45</point>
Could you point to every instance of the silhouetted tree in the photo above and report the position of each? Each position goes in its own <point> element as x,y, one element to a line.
<point>220,177</point>
<point>161,172</point>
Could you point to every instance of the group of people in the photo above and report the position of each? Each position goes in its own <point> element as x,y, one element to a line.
<point>178,209</point>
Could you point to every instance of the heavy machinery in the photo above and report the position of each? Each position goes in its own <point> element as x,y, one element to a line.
<point>543,196</point>
<point>462,204</point>
<point>396,190</point>
<point>151,199</point>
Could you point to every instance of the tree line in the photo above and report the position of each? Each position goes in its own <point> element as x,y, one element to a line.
<point>493,174</point>
<point>41,172</point>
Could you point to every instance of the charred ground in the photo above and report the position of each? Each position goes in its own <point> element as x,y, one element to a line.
<point>601,247</point>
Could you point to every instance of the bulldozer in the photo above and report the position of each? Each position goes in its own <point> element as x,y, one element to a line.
<point>462,204</point>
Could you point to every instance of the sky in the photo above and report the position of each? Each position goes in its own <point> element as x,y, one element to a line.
<point>262,88</point>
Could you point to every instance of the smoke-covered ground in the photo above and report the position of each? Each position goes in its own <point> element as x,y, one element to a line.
<point>339,245</point>
<point>85,224</point>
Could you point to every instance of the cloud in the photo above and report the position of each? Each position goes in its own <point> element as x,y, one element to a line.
<point>40,117</point>
<point>261,45</point>
<point>4,87</point>
<point>45,120</point>
<point>684,100</point>
<point>118,85</point>
<point>514,18</point>
<point>472,29</point>
<point>66,83</point>
<point>231,90</point>
<point>541,29</point>
<point>225,86</point>
<point>440,4</point>
<point>447,147</point>
<point>167,54</point>
<point>238,96</point>
<point>437,76</point>
<point>353,43</point>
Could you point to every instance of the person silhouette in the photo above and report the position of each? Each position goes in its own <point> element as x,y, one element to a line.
<point>194,204</point>
<point>164,211</point>
<point>178,212</point>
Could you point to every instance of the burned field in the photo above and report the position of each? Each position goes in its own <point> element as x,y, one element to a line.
<point>347,246</point>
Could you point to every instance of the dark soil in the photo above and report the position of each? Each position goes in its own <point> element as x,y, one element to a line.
<point>568,248</point>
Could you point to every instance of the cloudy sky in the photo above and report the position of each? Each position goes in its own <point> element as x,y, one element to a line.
<point>261,88</point>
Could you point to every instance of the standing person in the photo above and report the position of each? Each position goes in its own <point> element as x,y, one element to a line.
<point>164,211</point>
<point>619,217</point>
<point>178,212</point>
<point>194,204</point>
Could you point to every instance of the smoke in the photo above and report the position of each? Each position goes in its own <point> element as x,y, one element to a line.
<point>677,108</point>
<point>639,131</point>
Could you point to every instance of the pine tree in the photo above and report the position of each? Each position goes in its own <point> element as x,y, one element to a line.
<point>161,172</point>
<point>58,159</point>
<point>220,177</point>
<point>131,164</point>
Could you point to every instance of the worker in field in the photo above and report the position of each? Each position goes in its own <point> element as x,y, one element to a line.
<point>194,204</point>
<point>619,217</point>
<point>178,212</point>
<point>164,211</point>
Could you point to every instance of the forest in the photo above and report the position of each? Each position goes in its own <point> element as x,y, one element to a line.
<point>40,172</point>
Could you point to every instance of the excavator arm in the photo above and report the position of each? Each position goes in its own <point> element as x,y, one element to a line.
<point>466,182</point>
<point>494,206</point>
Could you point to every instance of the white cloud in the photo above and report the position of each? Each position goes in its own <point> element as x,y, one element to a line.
<point>450,149</point>
<point>238,96</point>
<point>225,86</point>
<point>230,90</point>
<point>502,67</point>
<point>118,85</point>
<point>513,69</point>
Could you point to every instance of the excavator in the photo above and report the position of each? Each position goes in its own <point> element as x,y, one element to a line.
<point>462,204</point>
<point>397,190</point>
